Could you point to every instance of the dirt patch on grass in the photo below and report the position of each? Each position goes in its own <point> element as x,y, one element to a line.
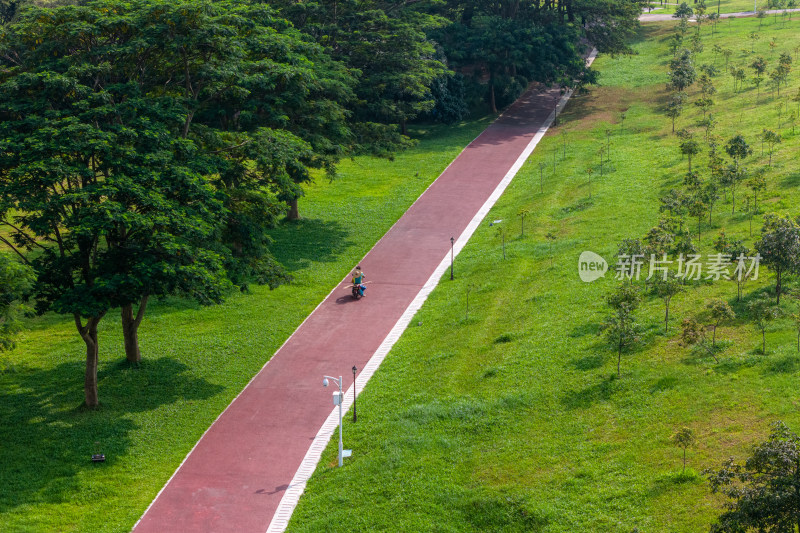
<point>605,104</point>
<point>656,29</point>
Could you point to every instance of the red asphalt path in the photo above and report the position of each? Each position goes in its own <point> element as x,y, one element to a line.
<point>234,478</point>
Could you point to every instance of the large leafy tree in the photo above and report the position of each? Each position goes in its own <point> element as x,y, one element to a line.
<point>779,248</point>
<point>510,44</point>
<point>606,24</point>
<point>135,137</point>
<point>93,181</point>
<point>397,62</point>
<point>764,491</point>
<point>242,73</point>
<point>385,44</point>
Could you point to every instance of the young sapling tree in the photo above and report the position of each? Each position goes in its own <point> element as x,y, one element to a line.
<point>720,312</point>
<point>762,313</point>
<point>684,438</point>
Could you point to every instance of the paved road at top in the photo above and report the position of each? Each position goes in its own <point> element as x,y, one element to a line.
<point>656,17</point>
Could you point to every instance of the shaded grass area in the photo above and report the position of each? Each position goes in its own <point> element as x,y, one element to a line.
<point>196,359</point>
<point>512,418</point>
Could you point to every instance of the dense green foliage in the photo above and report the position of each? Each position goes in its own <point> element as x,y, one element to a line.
<point>142,147</point>
<point>765,489</point>
<point>8,8</point>
<point>780,248</point>
<point>386,45</point>
<point>16,280</point>
<point>401,50</point>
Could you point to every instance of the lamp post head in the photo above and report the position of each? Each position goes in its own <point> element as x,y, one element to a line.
<point>452,240</point>
<point>324,382</point>
<point>355,369</point>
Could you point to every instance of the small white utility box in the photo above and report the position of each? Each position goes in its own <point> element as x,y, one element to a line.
<point>337,398</point>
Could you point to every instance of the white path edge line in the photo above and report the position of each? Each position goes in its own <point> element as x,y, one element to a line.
<point>175,473</point>
<point>280,520</point>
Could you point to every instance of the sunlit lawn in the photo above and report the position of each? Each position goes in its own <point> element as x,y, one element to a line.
<point>511,419</point>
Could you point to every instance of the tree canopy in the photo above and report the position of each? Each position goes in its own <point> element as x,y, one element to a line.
<point>147,147</point>
<point>764,491</point>
<point>131,144</point>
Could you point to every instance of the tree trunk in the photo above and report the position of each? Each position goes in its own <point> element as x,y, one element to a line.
<point>714,337</point>
<point>764,341</point>
<point>666,318</point>
<point>778,286</point>
<point>492,104</point>
<point>89,335</point>
<point>403,127</point>
<point>130,330</point>
<point>294,212</point>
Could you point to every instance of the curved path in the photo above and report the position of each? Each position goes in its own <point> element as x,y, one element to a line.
<point>249,468</point>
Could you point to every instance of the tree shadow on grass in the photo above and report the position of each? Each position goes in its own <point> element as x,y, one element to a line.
<point>47,441</point>
<point>296,244</point>
<point>589,362</point>
<point>650,32</point>
<point>733,365</point>
<point>589,328</point>
<point>487,510</point>
<point>664,384</point>
<point>673,481</point>
<point>586,397</point>
<point>791,181</point>
<point>580,108</point>
<point>788,364</point>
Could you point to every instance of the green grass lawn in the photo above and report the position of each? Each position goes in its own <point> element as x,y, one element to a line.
<point>511,418</point>
<point>196,359</point>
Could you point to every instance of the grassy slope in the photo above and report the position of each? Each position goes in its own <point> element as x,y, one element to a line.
<point>510,420</point>
<point>196,359</point>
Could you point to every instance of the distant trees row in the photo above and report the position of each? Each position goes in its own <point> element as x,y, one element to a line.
<point>778,248</point>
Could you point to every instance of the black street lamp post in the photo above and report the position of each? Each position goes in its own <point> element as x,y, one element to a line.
<point>452,244</point>
<point>355,417</point>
